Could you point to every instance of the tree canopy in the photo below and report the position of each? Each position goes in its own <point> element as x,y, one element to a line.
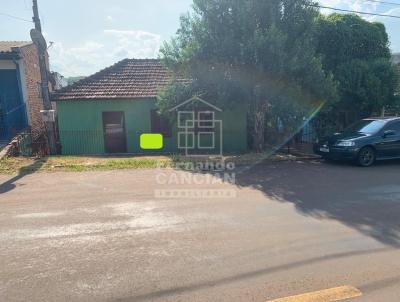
<point>257,52</point>
<point>357,53</point>
<point>283,59</point>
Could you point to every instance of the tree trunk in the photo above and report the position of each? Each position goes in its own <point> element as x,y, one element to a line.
<point>259,127</point>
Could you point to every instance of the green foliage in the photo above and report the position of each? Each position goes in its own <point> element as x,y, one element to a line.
<point>398,84</point>
<point>173,96</point>
<point>367,86</point>
<point>258,52</point>
<point>346,37</point>
<point>357,53</point>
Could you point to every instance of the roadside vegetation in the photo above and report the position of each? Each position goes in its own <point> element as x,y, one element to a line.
<point>357,54</point>
<point>13,165</point>
<point>286,61</point>
<point>27,165</point>
<point>251,52</point>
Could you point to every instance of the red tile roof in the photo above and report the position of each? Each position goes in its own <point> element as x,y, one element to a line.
<point>7,46</point>
<point>129,78</point>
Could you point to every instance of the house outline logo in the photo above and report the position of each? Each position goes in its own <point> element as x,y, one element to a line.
<point>192,123</point>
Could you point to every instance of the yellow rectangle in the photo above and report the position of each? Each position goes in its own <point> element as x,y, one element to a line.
<point>151,141</point>
<point>327,295</point>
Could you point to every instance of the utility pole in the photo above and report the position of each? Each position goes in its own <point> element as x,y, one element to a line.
<point>35,18</point>
<point>48,113</point>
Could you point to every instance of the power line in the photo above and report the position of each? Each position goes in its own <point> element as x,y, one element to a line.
<point>15,17</point>
<point>383,2</point>
<point>357,12</point>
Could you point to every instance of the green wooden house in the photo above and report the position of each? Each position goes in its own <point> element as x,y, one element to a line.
<point>110,111</point>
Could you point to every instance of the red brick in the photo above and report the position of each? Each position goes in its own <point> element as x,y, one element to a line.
<point>29,54</point>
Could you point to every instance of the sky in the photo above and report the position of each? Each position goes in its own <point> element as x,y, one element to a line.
<point>89,35</point>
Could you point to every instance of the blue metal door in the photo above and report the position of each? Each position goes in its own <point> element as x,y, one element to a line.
<point>12,107</point>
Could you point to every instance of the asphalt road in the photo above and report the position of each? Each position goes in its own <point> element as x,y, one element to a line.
<point>292,228</point>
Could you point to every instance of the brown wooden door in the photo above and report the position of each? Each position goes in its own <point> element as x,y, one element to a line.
<point>114,132</point>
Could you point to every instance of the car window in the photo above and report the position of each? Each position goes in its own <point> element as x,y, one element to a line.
<point>394,126</point>
<point>366,126</point>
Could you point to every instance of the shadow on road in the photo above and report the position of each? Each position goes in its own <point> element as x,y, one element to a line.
<point>366,199</point>
<point>10,184</point>
<point>251,274</point>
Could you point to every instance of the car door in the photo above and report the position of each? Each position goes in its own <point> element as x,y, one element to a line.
<point>389,145</point>
<point>396,147</point>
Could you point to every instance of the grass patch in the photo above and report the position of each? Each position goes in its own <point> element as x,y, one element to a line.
<point>13,165</point>
<point>23,165</point>
<point>79,164</point>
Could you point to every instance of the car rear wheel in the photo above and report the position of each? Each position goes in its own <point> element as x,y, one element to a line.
<point>366,157</point>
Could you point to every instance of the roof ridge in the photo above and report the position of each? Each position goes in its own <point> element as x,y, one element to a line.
<point>142,59</point>
<point>101,71</point>
<point>16,41</point>
<point>88,78</point>
<point>8,46</point>
<point>128,78</point>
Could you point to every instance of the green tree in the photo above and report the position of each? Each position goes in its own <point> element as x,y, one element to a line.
<point>357,53</point>
<point>258,52</point>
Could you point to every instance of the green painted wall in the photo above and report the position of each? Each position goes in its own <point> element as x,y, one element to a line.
<point>81,128</point>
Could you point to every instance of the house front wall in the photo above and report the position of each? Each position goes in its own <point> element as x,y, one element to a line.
<point>81,126</point>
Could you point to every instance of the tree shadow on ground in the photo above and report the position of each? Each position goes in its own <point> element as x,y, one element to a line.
<point>26,170</point>
<point>366,199</point>
<point>182,289</point>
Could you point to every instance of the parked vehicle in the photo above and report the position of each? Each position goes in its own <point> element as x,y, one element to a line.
<point>364,142</point>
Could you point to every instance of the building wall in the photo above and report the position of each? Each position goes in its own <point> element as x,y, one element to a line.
<point>235,129</point>
<point>30,61</point>
<point>81,128</point>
